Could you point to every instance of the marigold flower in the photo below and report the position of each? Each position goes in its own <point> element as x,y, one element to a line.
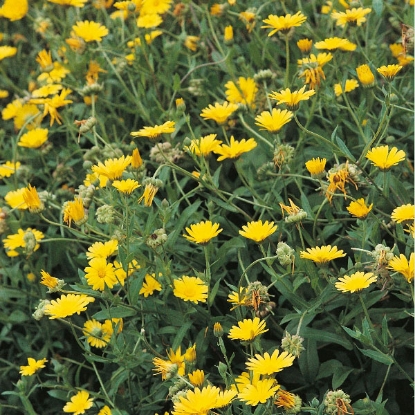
<point>197,378</point>
<point>100,274</point>
<point>235,148</point>
<point>283,23</point>
<point>333,43</point>
<point>126,186</point>
<point>204,145</point>
<point>46,90</point>
<point>338,177</point>
<point>136,160</point>
<point>244,92</point>
<point>32,366</point>
<point>403,266</point>
<point>305,45</point>
<point>150,284</point>
<point>365,75</point>
<point>248,17</point>
<point>190,289</point>
<point>202,232</point>
<point>174,364</point>
<point>359,209</point>
<point>74,211</point>
<point>54,284</point>
<point>228,34</point>
<point>79,403</point>
<point>269,364</point>
<point>105,410</point>
<point>350,85</point>
<point>102,249</point>
<point>285,400</point>
<point>295,213</point>
<point>14,9</point>
<point>355,17</point>
<point>90,31</point>
<point>316,166</point>
<point>95,333</point>
<point>238,299</point>
<point>258,231</point>
<point>292,99</point>
<point>355,282</point>
<point>7,52</point>
<point>260,392</point>
<point>403,213</point>
<point>67,305</point>
<point>219,112</point>
<point>75,3</point>
<point>273,121</point>
<point>28,240</point>
<point>191,42</point>
<point>384,159</point>
<point>390,71</point>
<point>112,168</point>
<point>9,168</point>
<point>322,254</point>
<point>149,20</point>
<point>32,200</point>
<point>156,131</point>
<point>247,329</point>
<point>149,193</point>
<point>154,6</point>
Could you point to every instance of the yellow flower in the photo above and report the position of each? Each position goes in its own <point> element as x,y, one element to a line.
<point>67,305</point>
<point>216,9</point>
<point>247,329</point>
<point>32,366</point>
<point>79,403</point>
<point>4,93</point>
<point>46,90</point>
<point>150,284</point>
<point>90,31</point>
<point>136,160</point>
<point>352,16</point>
<point>100,274</point>
<point>403,266</point>
<point>15,200</point>
<point>9,168</point>
<point>126,186</point>
<point>197,378</point>
<point>191,42</point>
<point>202,232</point>
<point>54,284</point>
<point>74,211</point>
<point>235,148</point>
<point>228,34</point>
<point>28,240</point>
<point>190,289</point>
<point>359,209</point>
<point>149,193</point>
<point>204,145</point>
<point>32,200</point>
<point>238,299</point>
<point>112,168</point>
<point>305,45</point>
<point>355,282</point>
<point>390,71</point>
<point>174,364</point>
<point>383,158</point>
<point>244,92</point>
<point>75,3</point>
<point>102,250</point>
<point>7,52</point>
<point>156,131</point>
<point>248,17</point>
<point>403,213</point>
<point>295,213</point>
<point>283,23</point>
<point>350,85</point>
<point>154,6</point>
<point>292,99</point>
<point>105,410</point>
<point>316,166</point>
<point>260,392</point>
<point>219,113</point>
<point>149,20</point>
<point>322,254</point>
<point>14,9</point>
<point>95,333</point>
<point>273,121</point>
<point>285,399</point>
<point>333,43</point>
<point>258,231</point>
<point>338,177</point>
<point>365,75</point>
<point>54,75</point>
<point>269,364</point>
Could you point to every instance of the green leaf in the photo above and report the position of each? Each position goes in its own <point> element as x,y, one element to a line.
<point>340,376</point>
<point>184,328</point>
<point>176,82</point>
<point>326,337</point>
<point>377,6</point>
<point>378,356</point>
<point>308,361</point>
<point>344,149</point>
<point>115,312</point>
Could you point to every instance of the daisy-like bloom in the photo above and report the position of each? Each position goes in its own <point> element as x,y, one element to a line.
<point>156,131</point>
<point>384,159</point>
<point>403,266</point>
<point>112,168</point>
<point>258,231</point>
<point>355,282</point>
<point>54,75</point>
<point>32,200</point>
<point>350,85</point>
<point>9,168</point>
<point>95,334</point>
<point>202,232</point>
<point>403,213</point>
<point>305,45</point>
<point>14,9</point>
<point>260,392</point>
<point>243,92</point>
<point>100,274</point>
<point>15,200</point>
<point>46,90</point>
<point>248,17</point>
<point>126,186</point>
<point>149,20</point>
<point>32,366</point>
<point>283,23</point>
<point>174,364</point>
<point>204,145</point>
<point>74,3</point>
<point>191,42</point>
<point>102,249</point>
<point>238,299</point>
<point>190,289</point>
<point>7,52</point>
<point>121,274</point>
<point>365,75</point>
<point>197,378</point>
<point>149,193</point>
<point>28,240</point>
<point>235,148</point>
<point>316,166</point>
<point>54,284</point>
<point>79,403</point>
<point>105,410</point>
<point>355,17</point>
<point>74,211</point>
<point>399,52</point>
<point>323,254</point>
<point>247,329</point>
<point>359,209</point>
<point>202,401</point>
<point>273,121</point>
<point>68,305</point>
<point>90,31</point>
<point>219,112</point>
<point>292,99</point>
<point>333,43</point>
<point>154,6</point>
<point>267,365</point>
<point>150,284</point>
<point>390,71</point>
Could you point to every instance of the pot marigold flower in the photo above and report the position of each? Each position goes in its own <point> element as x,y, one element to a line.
<point>316,166</point>
<point>350,85</point>
<point>95,334</point>
<point>74,211</point>
<point>67,305</point>
<point>112,168</point>
<point>74,3</point>
<point>283,23</point>
<point>238,299</point>
<point>204,145</point>
<point>32,200</point>
<point>359,209</point>
<point>9,168</point>
<point>305,45</point>
<point>355,16</point>
<point>191,42</point>
<point>248,17</point>
<point>102,250</point>
<point>244,92</point>
<point>126,186</point>
<point>285,400</point>
<point>403,266</point>
<point>403,213</point>
<point>269,364</point>
<point>190,289</point>
<point>174,364</point>
<point>54,284</point>
<point>273,121</point>
<point>90,31</point>
<point>323,254</point>
<point>156,131</point>
<point>202,232</point>
<point>258,231</point>
<point>228,34</point>
<point>235,148</point>
<point>384,159</point>
<point>28,240</point>
<point>150,284</point>
<point>333,43</point>
<point>32,366</point>
<point>355,282</point>
<point>365,75</point>
<point>292,99</point>
<point>247,329</point>
<point>197,378</point>
<point>136,160</point>
<point>149,193</point>
<point>7,52</point>
<point>79,403</point>
<point>260,392</point>
<point>14,9</point>
<point>219,112</point>
<point>100,274</point>
<point>15,200</point>
<point>154,6</point>
<point>149,20</point>
<point>390,71</point>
